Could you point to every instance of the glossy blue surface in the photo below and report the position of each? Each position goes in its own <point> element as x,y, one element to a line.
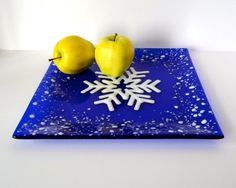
<point>58,109</point>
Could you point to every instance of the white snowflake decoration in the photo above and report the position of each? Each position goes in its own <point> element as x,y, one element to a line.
<point>133,92</point>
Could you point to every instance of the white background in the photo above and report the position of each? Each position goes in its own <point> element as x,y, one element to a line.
<point>203,26</point>
<point>196,24</point>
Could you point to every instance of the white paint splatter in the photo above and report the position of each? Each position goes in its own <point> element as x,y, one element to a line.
<point>204,121</point>
<point>32,116</point>
<point>162,56</point>
<point>42,123</point>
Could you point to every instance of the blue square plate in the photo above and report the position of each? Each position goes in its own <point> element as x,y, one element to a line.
<point>159,96</point>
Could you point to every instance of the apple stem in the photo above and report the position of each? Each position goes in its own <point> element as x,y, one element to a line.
<point>115,36</point>
<point>54,58</point>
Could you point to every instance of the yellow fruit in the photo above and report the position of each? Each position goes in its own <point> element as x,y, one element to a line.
<point>114,54</point>
<point>73,54</point>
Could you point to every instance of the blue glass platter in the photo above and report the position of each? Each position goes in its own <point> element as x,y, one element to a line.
<point>159,96</point>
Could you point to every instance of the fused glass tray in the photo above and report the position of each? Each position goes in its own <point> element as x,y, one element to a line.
<point>159,96</point>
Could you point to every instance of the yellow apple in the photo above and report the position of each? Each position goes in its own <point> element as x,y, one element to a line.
<point>73,54</point>
<point>114,54</point>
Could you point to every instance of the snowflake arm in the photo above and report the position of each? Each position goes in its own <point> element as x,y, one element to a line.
<point>152,86</point>
<point>97,86</point>
<point>109,98</point>
<point>132,75</point>
<point>109,78</point>
<point>147,86</point>
<point>139,98</point>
